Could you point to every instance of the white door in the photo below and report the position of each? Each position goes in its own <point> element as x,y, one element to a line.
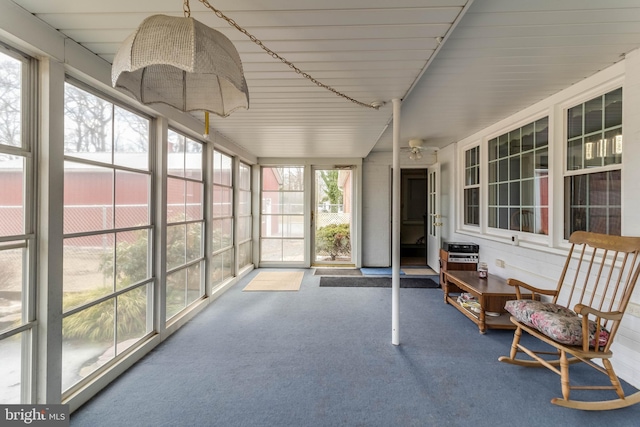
<point>434,218</point>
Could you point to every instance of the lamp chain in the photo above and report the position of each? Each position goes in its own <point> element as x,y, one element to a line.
<point>219,14</point>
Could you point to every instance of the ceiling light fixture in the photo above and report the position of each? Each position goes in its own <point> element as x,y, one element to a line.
<point>182,63</point>
<point>416,148</point>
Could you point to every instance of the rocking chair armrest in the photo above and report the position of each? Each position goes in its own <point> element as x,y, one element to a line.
<point>585,310</point>
<point>520,284</point>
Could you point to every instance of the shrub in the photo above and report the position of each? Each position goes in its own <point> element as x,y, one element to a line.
<point>334,239</point>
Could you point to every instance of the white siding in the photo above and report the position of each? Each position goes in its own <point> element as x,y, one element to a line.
<point>541,262</point>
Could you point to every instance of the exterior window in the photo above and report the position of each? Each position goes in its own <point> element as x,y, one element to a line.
<point>282,219</point>
<point>222,218</point>
<point>594,156</point>
<point>17,241</point>
<point>472,186</point>
<point>185,223</point>
<point>244,216</point>
<point>518,179</point>
<point>107,283</point>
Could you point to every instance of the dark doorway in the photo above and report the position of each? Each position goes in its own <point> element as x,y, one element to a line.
<point>413,210</point>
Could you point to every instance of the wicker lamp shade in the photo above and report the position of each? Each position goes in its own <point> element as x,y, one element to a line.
<point>183,63</point>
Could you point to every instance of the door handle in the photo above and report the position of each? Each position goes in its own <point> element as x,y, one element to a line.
<point>438,224</point>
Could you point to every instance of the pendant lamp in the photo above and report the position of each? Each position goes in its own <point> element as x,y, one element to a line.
<point>183,63</point>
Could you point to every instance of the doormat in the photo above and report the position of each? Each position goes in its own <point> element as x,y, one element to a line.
<point>412,271</point>
<point>378,271</point>
<point>375,282</point>
<point>275,281</point>
<point>337,272</point>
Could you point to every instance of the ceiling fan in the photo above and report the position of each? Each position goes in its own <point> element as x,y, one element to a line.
<point>416,147</point>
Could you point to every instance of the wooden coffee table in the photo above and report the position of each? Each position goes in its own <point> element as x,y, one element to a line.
<point>492,292</point>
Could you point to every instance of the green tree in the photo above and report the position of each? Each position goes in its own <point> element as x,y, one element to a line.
<point>333,193</point>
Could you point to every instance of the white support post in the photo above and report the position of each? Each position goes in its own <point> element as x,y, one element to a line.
<point>395,228</point>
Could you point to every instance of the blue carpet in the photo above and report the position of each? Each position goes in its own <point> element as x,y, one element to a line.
<point>323,357</point>
<point>378,271</point>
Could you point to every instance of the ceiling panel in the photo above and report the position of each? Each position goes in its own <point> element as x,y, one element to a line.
<point>501,56</point>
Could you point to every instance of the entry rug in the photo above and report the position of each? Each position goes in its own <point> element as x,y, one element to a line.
<point>376,282</point>
<point>378,271</point>
<point>275,281</point>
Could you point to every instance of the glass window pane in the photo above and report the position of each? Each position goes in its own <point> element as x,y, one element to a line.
<point>217,269</point>
<point>11,268</point>
<point>493,149</point>
<point>132,257</point>
<point>542,159</point>
<point>87,341</point>
<point>244,204</point>
<point>597,220</point>
<point>514,193</point>
<point>222,168</point>
<point>593,115</point>
<point>514,167</point>
<point>493,195</point>
<point>503,145</point>
<point>88,269</point>
<point>10,101</point>
<point>493,171</point>
<point>131,139</point>
<point>132,199</point>
<point>614,188</point>
<point>194,248</point>
<point>503,170</point>
<point>503,218</point>
<point>613,150</point>
<point>270,202</point>
<point>542,221</point>
<point>293,250</point>
<point>503,194</point>
<point>194,202</point>
<point>176,293</point>
<point>542,132</point>
<point>195,290</point>
<point>574,154</point>
<point>193,161</point>
<point>527,192</point>
<point>221,234</point>
<point>88,198</point>
<point>527,137</point>
<point>12,194</point>
<point>270,249</point>
<point>176,241</point>
<point>87,125</point>
<point>574,122</point>
<point>244,229</point>
<point>244,254</point>
<point>176,200</point>
<point>11,368</point>
<point>613,108</point>
<point>133,318</point>
<point>227,171</point>
<point>245,177</point>
<point>514,142</point>
<point>175,154</point>
<point>493,217</point>
<point>598,189</point>
<point>293,203</point>
<point>527,165</point>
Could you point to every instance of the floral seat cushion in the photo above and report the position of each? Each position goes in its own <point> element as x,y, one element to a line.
<point>555,321</point>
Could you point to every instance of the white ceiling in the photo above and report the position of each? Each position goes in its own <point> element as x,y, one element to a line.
<point>497,57</point>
